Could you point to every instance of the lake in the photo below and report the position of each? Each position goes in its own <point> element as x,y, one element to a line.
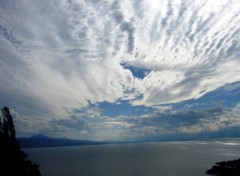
<point>140,159</point>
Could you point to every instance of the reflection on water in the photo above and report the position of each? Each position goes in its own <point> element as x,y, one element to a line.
<point>143,159</point>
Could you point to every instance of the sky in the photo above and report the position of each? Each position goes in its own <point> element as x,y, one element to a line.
<point>121,69</point>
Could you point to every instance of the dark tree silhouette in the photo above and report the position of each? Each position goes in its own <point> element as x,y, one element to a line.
<point>13,161</point>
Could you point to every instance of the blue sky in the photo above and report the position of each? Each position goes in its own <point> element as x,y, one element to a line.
<point>121,70</point>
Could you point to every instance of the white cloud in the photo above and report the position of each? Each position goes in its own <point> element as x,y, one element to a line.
<point>192,54</point>
<point>229,118</point>
<point>57,56</point>
<point>89,124</point>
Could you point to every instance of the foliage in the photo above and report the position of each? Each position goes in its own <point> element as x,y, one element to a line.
<point>13,161</point>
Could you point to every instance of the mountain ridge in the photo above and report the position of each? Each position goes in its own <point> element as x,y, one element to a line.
<point>40,140</point>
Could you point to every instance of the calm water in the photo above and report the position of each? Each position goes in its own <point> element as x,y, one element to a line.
<point>144,159</point>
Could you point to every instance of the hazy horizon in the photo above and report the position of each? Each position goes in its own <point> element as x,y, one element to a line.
<point>173,138</point>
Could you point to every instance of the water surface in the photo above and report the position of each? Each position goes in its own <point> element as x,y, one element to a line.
<point>141,159</point>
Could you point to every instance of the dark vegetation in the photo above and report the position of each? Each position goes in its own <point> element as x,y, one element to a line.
<point>13,161</point>
<point>225,168</point>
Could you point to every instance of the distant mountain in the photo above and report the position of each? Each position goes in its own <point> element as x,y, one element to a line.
<point>39,136</point>
<point>39,140</point>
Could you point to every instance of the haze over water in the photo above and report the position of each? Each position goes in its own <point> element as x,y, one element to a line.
<point>141,159</point>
